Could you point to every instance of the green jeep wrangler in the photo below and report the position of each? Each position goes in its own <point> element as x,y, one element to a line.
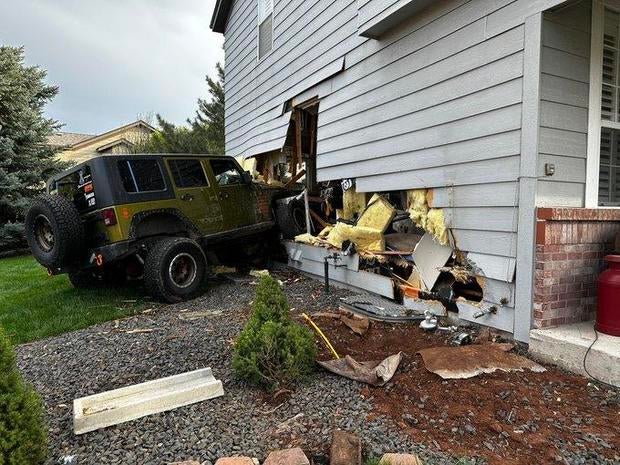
<point>156,217</point>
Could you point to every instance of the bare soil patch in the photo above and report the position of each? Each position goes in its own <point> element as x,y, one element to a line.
<point>517,418</point>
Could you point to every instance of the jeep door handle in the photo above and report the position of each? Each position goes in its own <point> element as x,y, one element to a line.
<point>224,195</point>
<point>187,197</point>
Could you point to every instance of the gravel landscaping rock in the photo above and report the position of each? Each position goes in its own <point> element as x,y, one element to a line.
<point>106,357</point>
<point>168,340</point>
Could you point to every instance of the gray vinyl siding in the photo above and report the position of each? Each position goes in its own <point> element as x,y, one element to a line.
<point>564,83</point>
<point>435,102</point>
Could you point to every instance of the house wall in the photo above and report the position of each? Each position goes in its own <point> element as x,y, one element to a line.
<point>89,150</point>
<point>435,102</point>
<point>565,77</point>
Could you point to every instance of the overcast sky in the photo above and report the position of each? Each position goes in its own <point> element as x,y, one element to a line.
<point>116,59</point>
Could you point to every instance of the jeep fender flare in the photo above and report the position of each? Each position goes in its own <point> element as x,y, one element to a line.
<point>160,222</point>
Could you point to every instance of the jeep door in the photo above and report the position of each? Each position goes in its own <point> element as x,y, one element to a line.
<point>236,196</point>
<point>195,197</point>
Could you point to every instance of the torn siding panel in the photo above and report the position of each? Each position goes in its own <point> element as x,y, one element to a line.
<point>251,141</point>
<point>493,266</point>
<point>363,280</point>
<point>272,139</point>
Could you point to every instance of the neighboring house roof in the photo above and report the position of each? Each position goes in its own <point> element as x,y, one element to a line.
<point>220,15</point>
<point>114,143</point>
<point>118,130</point>
<point>67,139</point>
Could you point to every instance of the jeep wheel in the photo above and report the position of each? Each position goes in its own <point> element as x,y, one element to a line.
<point>54,231</point>
<point>174,269</point>
<point>290,214</point>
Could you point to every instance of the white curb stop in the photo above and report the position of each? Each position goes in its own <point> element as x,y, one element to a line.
<point>137,401</point>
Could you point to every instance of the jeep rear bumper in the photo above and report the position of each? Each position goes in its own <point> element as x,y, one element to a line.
<point>99,256</point>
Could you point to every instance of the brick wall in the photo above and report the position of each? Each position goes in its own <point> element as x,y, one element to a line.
<point>570,246</point>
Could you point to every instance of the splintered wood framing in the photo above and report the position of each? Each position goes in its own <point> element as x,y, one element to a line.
<point>132,402</point>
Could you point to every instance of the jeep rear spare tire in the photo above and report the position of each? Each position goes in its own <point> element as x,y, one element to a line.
<point>174,269</point>
<point>54,231</point>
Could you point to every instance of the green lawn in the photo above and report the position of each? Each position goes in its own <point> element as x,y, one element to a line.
<point>34,305</point>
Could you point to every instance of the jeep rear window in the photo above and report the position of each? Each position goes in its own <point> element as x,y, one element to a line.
<point>77,186</point>
<point>187,173</point>
<point>141,176</point>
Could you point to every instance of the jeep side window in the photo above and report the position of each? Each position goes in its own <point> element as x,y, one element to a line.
<point>226,172</point>
<point>187,173</point>
<point>141,176</point>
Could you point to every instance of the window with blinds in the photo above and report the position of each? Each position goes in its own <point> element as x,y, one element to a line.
<point>265,27</point>
<point>609,174</point>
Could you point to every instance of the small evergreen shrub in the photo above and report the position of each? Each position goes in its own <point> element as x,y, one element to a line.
<point>22,431</point>
<point>272,350</point>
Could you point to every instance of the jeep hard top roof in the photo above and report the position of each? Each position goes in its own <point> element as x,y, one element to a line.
<point>97,160</point>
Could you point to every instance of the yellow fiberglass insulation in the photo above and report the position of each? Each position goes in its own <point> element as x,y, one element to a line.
<point>418,206</point>
<point>365,239</point>
<point>436,225</point>
<point>353,202</point>
<point>430,219</point>
<point>378,214</point>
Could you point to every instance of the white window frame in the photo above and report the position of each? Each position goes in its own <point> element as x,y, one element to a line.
<point>595,122</point>
<point>258,23</point>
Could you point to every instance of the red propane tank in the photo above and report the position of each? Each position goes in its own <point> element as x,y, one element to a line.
<point>608,311</point>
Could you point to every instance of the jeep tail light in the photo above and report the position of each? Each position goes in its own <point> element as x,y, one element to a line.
<point>109,217</point>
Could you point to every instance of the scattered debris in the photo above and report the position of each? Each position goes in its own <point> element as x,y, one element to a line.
<point>400,459</point>
<point>237,461</point>
<point>461,339</point>
<point>377,308</point>
<point>469,361</point>
<point>371,372</point>
<point>191,316</point>
<point>430,256</point>
<point>359,325</point>
<point>346,449</point>
<point>259,273</point>
<point>430,322</point>
<point>293,456</point>
<point>222,269</point>
<point>185,462</point>
<point>139,330</point>
<point>132,402</point>
<point>68,459</point>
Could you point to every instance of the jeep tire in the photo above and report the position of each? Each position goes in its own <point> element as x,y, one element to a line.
<point>54,231</point>
<point>290,214</point>
<point>174,269</point>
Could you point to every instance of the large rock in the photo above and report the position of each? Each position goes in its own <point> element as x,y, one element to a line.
<point>236,461</point>
<point>346,449</point>
<point>400,459</point>
<point>287,457</point>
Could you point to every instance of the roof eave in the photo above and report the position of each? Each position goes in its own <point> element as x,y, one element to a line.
<point>220,15</point>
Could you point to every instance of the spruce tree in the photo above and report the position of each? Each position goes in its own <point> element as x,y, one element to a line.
<point>210,114</point>
<point>22,431</point>
<point>25,159</point>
